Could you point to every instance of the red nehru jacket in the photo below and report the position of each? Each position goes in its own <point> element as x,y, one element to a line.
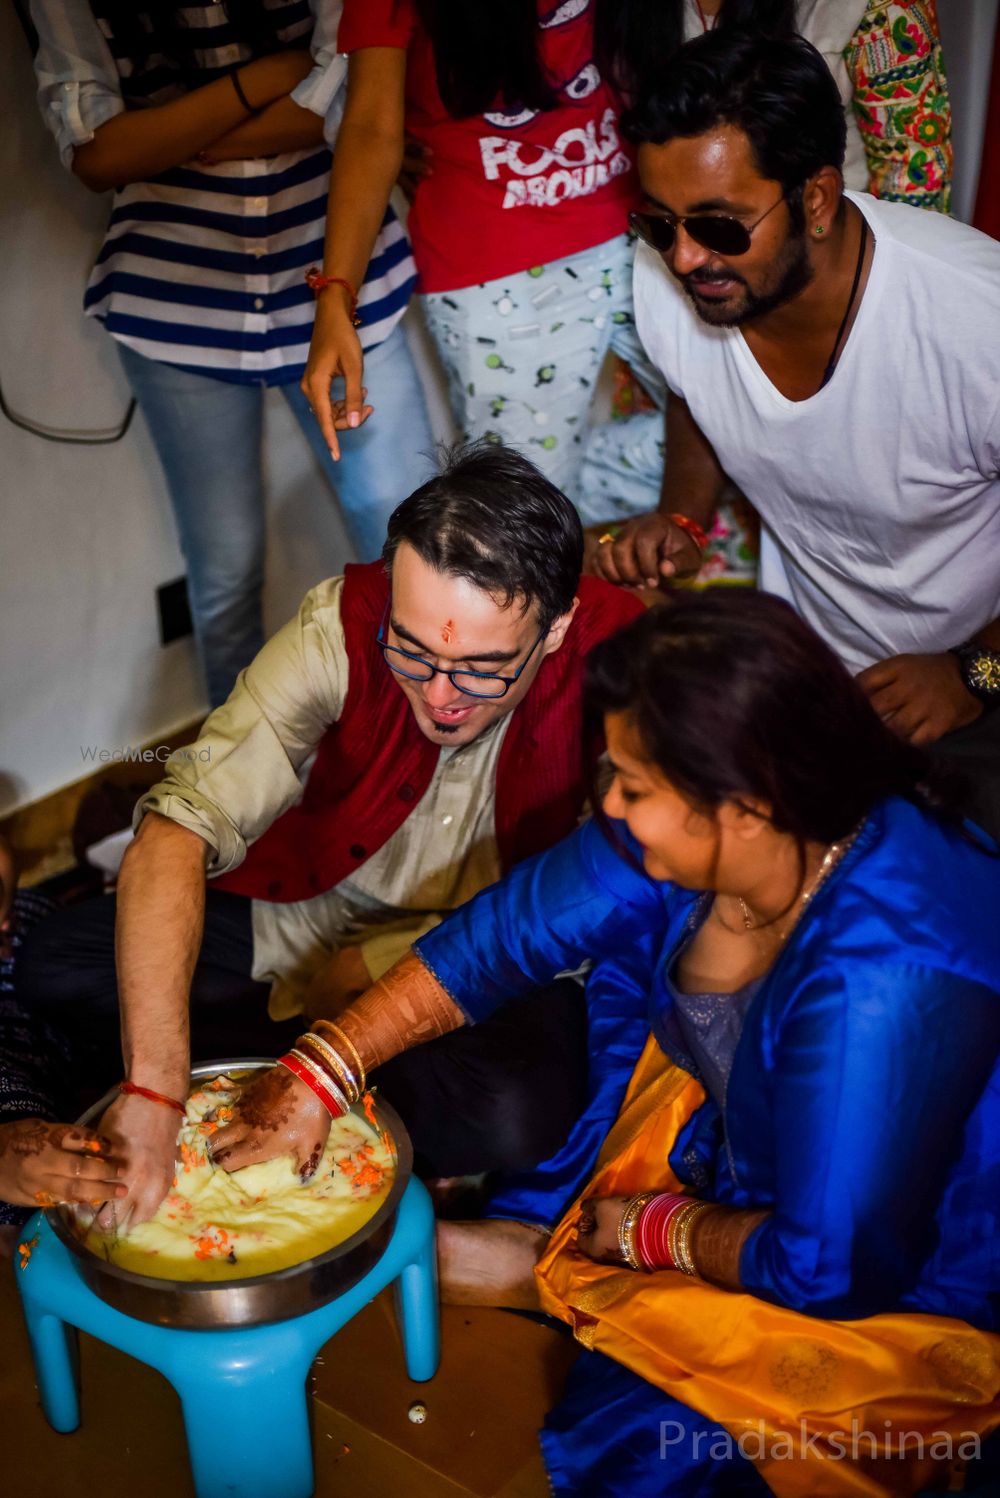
<point>374,764</point>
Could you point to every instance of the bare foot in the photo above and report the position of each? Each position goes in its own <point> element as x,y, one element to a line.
<point>489,1263</point>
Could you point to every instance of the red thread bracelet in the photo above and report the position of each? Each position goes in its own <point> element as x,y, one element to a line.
<point>317,282</point>
<point>326,1096</point>
<point>132,1089</point>
<point>693,529</point>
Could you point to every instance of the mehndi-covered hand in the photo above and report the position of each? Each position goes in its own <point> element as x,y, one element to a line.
<point>597,1230</point>
<point>277,1115</point>
<point>42,1163</point>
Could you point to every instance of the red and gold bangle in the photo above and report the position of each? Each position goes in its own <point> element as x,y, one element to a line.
<point>307,1071</point>
<point>317,282</point>
<point>653,1229</point>
<point>681,1228</point>
<point>626,1228</point>
<point>331,1062</point>
<point>132,1089</point>
<point>344,1039</point>
<point>693,529</point>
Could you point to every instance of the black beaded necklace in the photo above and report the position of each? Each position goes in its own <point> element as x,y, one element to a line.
<point>836,350</point>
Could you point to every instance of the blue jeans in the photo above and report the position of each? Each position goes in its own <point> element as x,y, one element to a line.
<point>207,433</point>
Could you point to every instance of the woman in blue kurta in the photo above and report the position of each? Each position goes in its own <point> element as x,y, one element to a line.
<point>845,1101</point>
<point>818,1101</point>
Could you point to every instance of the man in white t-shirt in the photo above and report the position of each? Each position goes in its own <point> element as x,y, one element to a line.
<point>838,358</point>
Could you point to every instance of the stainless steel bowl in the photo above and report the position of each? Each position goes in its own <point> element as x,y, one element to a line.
<point>264,1297</point>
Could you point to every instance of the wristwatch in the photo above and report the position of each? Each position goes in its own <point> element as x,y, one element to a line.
<point>980,670</point>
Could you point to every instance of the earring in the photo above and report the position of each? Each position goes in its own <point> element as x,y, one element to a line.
<point>819,229</point>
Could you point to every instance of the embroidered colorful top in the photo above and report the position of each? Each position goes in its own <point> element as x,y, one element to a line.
<point>901,102</point>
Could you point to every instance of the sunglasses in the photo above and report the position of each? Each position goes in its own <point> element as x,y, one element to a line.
<point>713,231</point>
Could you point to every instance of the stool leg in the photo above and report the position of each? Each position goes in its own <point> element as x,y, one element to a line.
<point>53,1346</point>
<point>417,1311</point>
<point>249,1438</point>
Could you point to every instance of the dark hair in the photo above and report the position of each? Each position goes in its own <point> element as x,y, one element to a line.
<point>635,39</point>
<point>486,54</point>
<point>734,697</point>
<point>492,517</point>
<point>778,92</point>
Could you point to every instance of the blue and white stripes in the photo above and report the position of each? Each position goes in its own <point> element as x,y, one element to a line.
<point>203,267</point>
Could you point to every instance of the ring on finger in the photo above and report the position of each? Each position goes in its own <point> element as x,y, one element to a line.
<point>605,539</point>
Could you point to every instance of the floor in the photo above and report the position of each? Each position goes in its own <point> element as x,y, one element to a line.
<point>499,1372</point>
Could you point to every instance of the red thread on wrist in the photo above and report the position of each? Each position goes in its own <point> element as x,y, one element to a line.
<point>329,1100</point>
<point>317,282</point>
<point>132,1089</point>
<point>693,529</point>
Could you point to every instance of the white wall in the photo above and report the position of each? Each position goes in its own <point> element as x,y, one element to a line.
<point>967,30</point>
<point>85,533</point>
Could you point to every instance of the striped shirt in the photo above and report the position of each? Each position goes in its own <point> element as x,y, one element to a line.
<point>203,266</point>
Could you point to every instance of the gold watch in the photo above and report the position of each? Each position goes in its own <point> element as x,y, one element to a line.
<point>980,670</point>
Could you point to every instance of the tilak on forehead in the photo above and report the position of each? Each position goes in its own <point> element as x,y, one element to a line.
<point>448,631</point>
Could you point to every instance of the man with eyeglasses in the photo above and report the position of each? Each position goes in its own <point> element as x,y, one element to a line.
<point>838,358</point>
<point>438,697</point>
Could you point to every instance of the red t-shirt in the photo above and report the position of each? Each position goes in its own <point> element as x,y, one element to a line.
<point>508,190</point>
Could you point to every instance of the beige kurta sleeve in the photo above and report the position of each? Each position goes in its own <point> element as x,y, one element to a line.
<point>242,772</point>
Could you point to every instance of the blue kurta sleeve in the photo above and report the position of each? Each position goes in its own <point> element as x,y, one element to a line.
<point>581,899</point>
<point>876,1070</point>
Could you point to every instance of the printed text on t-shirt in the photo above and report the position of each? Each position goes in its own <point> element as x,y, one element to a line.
<point>584,160</point>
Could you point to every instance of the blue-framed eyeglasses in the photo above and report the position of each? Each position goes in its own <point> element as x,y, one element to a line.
<point>470,683</point>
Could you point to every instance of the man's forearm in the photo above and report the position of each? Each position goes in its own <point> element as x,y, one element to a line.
<point>692,477</point>
<point>161,916</point>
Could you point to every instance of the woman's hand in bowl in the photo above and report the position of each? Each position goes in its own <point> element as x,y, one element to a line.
<point>277,1114</point>
<point>43,1163</point>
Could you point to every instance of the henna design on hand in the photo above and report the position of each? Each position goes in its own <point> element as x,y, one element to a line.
<point>268,1102</point>
<point>26,1137</point>
<point>406,1007</point>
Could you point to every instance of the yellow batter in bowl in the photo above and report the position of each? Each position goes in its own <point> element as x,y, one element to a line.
<point>217,1226</point>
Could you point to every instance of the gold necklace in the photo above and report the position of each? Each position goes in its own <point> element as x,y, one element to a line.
<point>831,858</point>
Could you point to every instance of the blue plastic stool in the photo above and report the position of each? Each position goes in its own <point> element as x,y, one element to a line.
<point>243,1391</point>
